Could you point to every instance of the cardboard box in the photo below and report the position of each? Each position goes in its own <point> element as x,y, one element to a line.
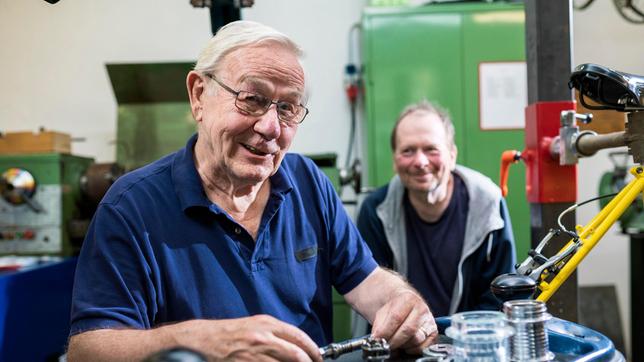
<point>29,142</point>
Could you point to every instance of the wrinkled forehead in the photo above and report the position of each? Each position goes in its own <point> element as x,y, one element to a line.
<point>252,83</point>
<point>422,126</point>
<point>423,122</point>
<point>268,64</point>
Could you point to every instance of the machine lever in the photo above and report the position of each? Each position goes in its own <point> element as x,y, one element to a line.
<point>507,158</point>
<point>33,204</point>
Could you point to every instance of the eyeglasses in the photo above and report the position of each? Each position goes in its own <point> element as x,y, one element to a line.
<point>257,105</point>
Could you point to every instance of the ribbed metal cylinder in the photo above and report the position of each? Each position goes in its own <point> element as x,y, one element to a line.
<point>530,340</point>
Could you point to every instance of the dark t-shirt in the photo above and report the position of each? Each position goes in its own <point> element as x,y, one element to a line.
<point>434,249</point>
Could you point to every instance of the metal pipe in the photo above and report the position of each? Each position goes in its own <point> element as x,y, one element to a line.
<point>588,142</point>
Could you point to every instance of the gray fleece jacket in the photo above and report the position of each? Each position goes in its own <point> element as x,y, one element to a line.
<point>488,236</point>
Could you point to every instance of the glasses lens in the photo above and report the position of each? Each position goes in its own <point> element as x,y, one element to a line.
<point>252,103</point>
<point>290,112</point>
<point>257,105</point>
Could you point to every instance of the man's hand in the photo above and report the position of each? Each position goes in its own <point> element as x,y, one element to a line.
<point>405,322</point>
<point>397,312</point>
<point>257,338</point>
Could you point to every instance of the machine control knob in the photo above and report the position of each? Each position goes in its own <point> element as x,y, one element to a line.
<point>28,234</point>
<point>17,187</point>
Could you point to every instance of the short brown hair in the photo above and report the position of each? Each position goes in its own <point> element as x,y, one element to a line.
<point>425,106</point>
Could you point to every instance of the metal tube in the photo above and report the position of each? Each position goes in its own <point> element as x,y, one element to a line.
<point>588,143</point>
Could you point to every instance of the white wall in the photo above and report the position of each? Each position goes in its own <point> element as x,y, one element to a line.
<point>52,74</point>
<point>601,36</point>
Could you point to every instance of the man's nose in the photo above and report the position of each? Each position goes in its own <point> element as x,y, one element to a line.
<point>268,124</point>
<point>421,160</point>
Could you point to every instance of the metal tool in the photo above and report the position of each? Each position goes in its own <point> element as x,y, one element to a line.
<point>335,350</point>
<point>373,349</point>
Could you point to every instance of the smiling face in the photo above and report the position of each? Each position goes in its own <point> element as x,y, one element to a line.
<point>235,146</point>
<point>423,157</point>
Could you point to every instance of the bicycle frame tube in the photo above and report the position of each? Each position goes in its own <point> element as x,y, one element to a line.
<point>592,233</point>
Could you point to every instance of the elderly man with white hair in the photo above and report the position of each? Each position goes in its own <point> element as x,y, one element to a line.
<point>231,246</point>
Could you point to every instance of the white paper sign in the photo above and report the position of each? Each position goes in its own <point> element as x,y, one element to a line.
<point>503,95</point>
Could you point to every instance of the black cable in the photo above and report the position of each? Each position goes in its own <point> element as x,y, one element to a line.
<point>354,32</point>
<point>573,234</point>
<point>596,198</point>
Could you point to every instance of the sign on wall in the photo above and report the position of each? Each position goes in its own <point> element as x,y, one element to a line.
<point>503,95</point>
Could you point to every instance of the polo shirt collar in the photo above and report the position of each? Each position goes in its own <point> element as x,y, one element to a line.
<point>186,180</point>
<point>188,186</point>
<point>281,181</point>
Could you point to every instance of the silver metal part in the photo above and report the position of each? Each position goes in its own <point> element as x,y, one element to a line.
<point>534,266</point>
<point>335,350</point>
<point>565,142</point>
<point>375,349</point>
<point>571,144</point>
<point>587,143</point>
<point>439,352</point>
<point>530,341</point>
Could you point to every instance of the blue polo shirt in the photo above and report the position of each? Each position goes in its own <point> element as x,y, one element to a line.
<point>158,251</point>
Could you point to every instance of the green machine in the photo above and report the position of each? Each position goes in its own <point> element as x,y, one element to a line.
<point>41,208</point>
<point>466,57</point>
<point>154,116</point>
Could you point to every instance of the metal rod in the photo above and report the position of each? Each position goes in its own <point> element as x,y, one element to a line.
<point>588,143</point>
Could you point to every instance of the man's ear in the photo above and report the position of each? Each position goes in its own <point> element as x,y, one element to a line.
<point>393,161</point>
<point>453,153</point>
<point>196,90</point>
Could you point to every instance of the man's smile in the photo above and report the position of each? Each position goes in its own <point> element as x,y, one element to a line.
<point>256,151</point>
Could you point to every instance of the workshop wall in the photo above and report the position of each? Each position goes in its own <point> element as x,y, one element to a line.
<point>53,56</point>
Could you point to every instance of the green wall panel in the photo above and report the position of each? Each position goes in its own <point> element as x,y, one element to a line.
<point>397,73</point>
<point>490,37</point>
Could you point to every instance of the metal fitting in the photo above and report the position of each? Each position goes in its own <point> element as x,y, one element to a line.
<point>530,341</point>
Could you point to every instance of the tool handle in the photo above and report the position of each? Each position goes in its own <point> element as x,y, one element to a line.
<point>507,158</point>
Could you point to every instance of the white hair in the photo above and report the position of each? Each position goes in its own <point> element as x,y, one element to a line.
<point>236,35</point>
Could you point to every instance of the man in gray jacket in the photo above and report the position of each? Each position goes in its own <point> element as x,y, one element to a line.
<point>444,226</point>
